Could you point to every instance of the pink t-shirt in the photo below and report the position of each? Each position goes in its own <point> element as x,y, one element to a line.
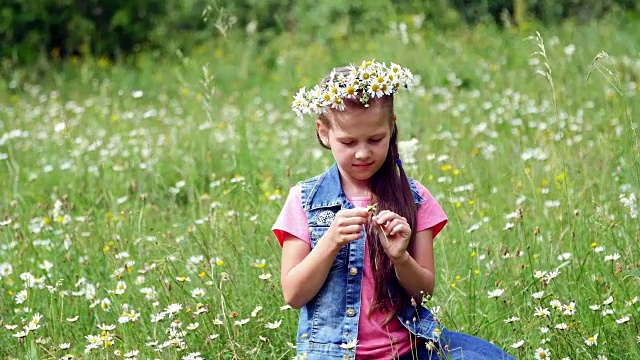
<point>374,341</point>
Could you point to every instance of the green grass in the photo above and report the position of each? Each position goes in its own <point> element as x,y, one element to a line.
<point>188,175</point>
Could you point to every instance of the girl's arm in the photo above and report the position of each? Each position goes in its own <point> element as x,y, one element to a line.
<point>303,271</point>
<point>416,269</point>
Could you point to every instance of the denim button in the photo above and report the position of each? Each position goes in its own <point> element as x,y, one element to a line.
<point>351,312</point>
<point>353,271</point>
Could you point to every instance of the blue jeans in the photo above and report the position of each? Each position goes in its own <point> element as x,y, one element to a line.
<point>458,346</point>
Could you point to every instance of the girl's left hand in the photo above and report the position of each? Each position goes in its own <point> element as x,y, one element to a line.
<point>397,231</point>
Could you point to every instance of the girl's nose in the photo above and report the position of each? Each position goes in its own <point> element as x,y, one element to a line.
<point>363,153</point>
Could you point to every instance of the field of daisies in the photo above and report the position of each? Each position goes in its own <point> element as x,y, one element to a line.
<point>137,198</point>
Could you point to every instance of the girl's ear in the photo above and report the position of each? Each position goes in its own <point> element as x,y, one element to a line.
<point>323,133</point>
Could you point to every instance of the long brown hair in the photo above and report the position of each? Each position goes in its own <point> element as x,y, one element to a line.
<point>390,190</point>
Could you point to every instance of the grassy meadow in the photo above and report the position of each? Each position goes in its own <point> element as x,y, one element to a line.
<point>137,198</point>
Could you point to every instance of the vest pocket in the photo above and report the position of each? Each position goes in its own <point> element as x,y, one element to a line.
<point>316,232</point>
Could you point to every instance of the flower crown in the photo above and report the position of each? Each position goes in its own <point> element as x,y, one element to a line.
<point>369,80</point>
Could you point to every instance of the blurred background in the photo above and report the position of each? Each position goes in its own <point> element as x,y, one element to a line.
<point>33,31</point>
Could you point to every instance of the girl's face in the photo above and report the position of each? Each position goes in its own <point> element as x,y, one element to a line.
<point>359,140</point>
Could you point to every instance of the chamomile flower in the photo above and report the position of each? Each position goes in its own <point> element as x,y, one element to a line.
<point>592,340</point>
<point>264,276</point>
<point>173,309</point>
<point>121,287</point>
<point>541,312</point>
<point>495,293</point>
<point>273,325</point>
<point>623,319</point>
<point>542,354</point>
<point>241,322</point>
<point>105,304</point>
<point>197,292</point>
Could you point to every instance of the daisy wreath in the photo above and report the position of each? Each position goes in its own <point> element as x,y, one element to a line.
<point>369,80</point>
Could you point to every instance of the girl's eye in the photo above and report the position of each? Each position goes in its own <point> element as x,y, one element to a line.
<point>347,143</point>
<point>375,141</point>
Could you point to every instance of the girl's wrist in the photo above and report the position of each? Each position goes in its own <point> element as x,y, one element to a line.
<point>329,246</point>
<point>401,259</point>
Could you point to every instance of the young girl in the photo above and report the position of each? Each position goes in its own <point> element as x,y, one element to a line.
<point>357,240</point>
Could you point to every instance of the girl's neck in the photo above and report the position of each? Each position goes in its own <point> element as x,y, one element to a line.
<point>355,189</point>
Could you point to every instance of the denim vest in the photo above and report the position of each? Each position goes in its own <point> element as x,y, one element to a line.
<point>330,319</point>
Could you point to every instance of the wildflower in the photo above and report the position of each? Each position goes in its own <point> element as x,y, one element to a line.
<point>105,304</point>
<point>197,292</point>
<point>64,346</point>
<point>21,334</point>
<point>512,319</point>
<point>5,270</point>
<point>173,309</point>
<point>192,356</point>
<point>264,276</point>
<point>552,275</point>
<point>495,293</point>
<point>538,295</point>
<point>562,326</point>
<point>121,286</point>
<point>569,309</point>
<point>541,312</point>
<point>517,344</point>
<point>592,340</point>
<point>241,322</point>
<point>608,301</point>
<point>273,325</point>
<point>21,297</point>
<point>606,312</point>
<point>612,257</point>
<point>623,319</point>
<point>255,311</point>
<point>131,354</point>
<point>542,354</point>
<point>539,274</point>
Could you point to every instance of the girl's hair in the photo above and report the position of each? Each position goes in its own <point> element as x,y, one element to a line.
<point>391,191</point>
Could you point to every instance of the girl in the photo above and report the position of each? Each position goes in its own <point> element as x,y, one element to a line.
<point>357,240</point>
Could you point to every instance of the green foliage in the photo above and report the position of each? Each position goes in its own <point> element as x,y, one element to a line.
<point>58,28</point>
<point>67,27</point>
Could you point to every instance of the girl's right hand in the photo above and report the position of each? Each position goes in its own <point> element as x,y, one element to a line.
<point>346,227</point>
